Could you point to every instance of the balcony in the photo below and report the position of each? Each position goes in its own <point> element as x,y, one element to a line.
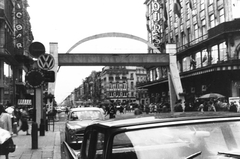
<point>223,28</point>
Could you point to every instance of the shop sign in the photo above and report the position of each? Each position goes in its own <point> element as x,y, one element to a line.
<point>24,102</point>
<point>19,25</point>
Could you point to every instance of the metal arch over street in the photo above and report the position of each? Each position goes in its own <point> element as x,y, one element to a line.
<point>113,34</point>
<point>113,59</point>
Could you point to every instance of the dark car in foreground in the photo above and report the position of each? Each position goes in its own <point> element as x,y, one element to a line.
<point>78,119</point>
<point>205,137</point>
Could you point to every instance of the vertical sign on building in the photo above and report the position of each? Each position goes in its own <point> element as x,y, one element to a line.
<point>19,26</point>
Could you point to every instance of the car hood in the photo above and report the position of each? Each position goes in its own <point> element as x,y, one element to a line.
<point>80,123</point>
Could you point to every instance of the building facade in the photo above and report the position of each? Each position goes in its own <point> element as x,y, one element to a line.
<point>15,38</point>
<point>207,38</point>
<point>119,83</point>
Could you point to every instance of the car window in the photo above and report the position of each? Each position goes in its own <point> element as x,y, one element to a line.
<point>99,146</point>
<point>176,142</point>
<point>86,115</point>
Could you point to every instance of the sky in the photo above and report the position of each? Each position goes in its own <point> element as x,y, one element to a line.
<point>67,22</point>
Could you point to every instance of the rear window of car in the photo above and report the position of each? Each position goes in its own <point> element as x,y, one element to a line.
<point>203,140</point>
<point>86,115</point>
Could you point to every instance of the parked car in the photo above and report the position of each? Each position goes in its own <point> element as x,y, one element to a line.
<point>58,109</point>
<point>193,137</point>
<point>78,119</point>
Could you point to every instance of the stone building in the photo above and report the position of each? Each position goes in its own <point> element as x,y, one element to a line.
<point>207,38</point>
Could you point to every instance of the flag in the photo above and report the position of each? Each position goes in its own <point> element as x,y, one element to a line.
<point>148,28</point>
<point>191,7</point>
<point>177,8</point>
<point>165,16</point>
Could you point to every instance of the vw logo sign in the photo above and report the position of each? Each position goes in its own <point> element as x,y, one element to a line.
<point>46,62</point>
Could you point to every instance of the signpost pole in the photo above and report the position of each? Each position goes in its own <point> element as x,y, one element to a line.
<point>38,104</point>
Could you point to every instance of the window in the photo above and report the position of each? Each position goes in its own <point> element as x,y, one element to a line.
<point>223,52</point>
<point>204,29</point>
<point>212,22</point>
<point>188,10</point>
<point>202,4</point>
<point>186,64</point>
<point>177,41</point>
<point>214,54</point>
<point>204,57</point>
<point>196,32</point>
<point>183,38</point>
<point>132,86</point>
<point>188,35</point>
<point>110,78</point>
<point>198,59</point>
<point>221,15</point>
<point>131,75</point>
<point>132,94</point>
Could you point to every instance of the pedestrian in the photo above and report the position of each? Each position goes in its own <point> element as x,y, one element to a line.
<point>24,121</point>
<point>5,120</point>
<point>178,106</point>
<point>5,123</point>
<point>211,106</point>
<point>137,112</point>
<point>112,112</point>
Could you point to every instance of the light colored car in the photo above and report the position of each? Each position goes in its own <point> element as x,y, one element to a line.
<point>78,119</point>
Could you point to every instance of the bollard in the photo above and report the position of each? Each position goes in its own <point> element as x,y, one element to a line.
<point>42,128</point>
<point>46,124</point>
<point>34,135</point>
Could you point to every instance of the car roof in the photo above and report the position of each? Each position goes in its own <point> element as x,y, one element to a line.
<point>156,120</point>
<point>85,108</point>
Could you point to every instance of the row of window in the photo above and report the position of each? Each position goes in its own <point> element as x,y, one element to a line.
<point>200,23</point>
<point>120,86</point>
<point>205,57</point>
<point>120,94</point>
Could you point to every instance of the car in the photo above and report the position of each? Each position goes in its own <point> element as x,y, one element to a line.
<point>78,119</point>
<point>58,109</point>
<point>173,137</point>
<point>63,109</point>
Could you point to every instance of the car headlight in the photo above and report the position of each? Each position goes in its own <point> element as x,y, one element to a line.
<point>72,131</point>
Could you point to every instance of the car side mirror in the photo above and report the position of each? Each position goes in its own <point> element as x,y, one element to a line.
<point>74,117</point>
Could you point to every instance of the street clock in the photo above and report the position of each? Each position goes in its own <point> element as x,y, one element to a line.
<point>34,78</point>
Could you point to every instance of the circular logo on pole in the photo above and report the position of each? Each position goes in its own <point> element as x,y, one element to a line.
<point>34,78</point>
<point>46,62</point>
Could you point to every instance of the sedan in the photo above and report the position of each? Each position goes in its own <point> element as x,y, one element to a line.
<point>195,137</point>
<point>78,119</point>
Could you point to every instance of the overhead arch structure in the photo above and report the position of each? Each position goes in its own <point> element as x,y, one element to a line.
<point>114,34</point>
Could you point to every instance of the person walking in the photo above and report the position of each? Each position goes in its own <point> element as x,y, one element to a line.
<point>5,123</point>
<point>112,112</point>
<point>24,121</point>
<point>5,120</point>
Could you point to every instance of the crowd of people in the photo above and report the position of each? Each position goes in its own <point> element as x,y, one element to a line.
<point>199,105</point>
<point>14,120</point>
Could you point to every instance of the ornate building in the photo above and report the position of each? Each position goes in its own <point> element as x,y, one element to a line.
<point>207,38</point>
<point>119,83</point>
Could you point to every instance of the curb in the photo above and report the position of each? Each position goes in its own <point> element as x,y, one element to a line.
<point>57,147</point>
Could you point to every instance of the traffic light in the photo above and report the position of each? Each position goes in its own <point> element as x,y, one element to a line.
<point>49,76</point>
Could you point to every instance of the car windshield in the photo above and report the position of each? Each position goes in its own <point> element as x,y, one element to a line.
<point>213,140</point>
<point>86,115</point>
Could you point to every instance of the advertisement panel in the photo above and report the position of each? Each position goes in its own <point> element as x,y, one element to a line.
<point>234,100</point>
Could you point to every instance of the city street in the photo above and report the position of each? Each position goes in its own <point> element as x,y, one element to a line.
<point>50,145</point>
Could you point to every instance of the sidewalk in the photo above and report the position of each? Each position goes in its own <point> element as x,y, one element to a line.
<point>49,146</point>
